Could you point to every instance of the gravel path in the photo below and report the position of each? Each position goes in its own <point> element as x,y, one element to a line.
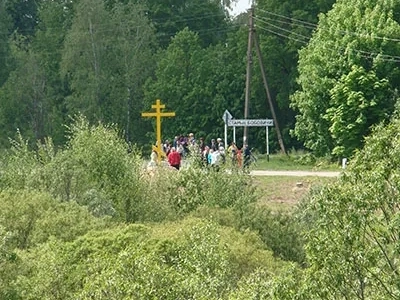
<point>295,173</point>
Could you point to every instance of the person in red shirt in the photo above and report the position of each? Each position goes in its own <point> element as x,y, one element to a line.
<point>174,158</point>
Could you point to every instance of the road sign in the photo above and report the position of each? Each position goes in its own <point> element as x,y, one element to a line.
<point>227,116</point>
<point>254,122</point>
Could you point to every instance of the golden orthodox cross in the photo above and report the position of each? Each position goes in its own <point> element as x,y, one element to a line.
<point>158,114</point>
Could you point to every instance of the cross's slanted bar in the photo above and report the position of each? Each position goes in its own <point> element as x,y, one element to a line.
<point>158,114</point>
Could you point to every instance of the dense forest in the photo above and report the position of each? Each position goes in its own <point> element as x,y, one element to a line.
<point>80,218</point>
<point>332,68</point>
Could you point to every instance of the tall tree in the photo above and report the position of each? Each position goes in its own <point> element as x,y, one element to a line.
<point>207,18</point>
<point>200,84</point>
<point>5,57</point>
<point>55,19</point>
<point>349,76</point>
<point>24,15</point>
<point>106,58</point>
<point>132,58</point>
<point>32,96</point>
<point>22,97</point>
<point>282,27</point>
<point>84,57</point>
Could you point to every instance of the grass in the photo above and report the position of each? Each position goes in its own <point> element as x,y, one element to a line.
<point>282,193</point>
<point>294,161</point>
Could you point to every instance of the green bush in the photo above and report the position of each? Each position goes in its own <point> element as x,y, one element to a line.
<point>9,264</point>
<point>279,231</point>
<point>32,217</point>
<point>95,169</point>
<point>193,187</point>
<point>191,259</point>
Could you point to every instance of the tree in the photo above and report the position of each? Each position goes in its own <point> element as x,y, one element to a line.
<point>5,57</point>
<point>55,19</point>
<point>208,19</point>
<point>22,96</point>
<point>23,15</point>
<point>199,84</point>
<point>282,28</point>
<point>352,241</point>
<point>348,76</point>
<point>8,264</point>
<point>133,58</point>
<point>106,58</point>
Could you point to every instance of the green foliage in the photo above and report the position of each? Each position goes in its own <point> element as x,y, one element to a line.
<point>107,56</point>
<point>18,165</point>
<point>208,18</point>
<point>187,260</point>
<point>355,100</point>
<point>347,79</point>
<point>278,230</point>
<point>5,26</point>
<point>193,187</point>
<point>283,28</point>
<point>8,264</point>
<point>187,74</point>
<point>32,217</point>
<point>95,170</point>
<point>261,285</point>
<point>352,241</point>
<point>255,286</point>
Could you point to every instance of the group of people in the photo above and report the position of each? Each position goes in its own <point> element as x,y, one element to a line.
<point>213,155</point>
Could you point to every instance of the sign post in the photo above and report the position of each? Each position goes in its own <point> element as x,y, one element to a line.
<point>256,122</point>
<point>267,139</point>
<point>226,117</point>
<point>158,114</point>
<point>249,122</point>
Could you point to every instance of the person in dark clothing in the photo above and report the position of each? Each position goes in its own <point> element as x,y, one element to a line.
<point>214,145</point>
<point>246,157</point>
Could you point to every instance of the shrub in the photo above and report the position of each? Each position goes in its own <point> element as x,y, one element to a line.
<point>279,231</point>
<point>32,217</point>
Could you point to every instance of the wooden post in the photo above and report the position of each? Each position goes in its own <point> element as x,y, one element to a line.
<point>158,114</point>
<point>248,72</point>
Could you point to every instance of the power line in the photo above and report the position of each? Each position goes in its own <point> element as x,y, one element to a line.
<point>288,18</point>
<point>365,54</point>
<point>281,35</point>
<point>281,28</point>
<point>315,26</point>
<point>268,19</point>
<point>382,56</point>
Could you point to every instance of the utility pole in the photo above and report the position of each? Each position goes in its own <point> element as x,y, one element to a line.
<point>278,132</point>
<point>253,39</point>
<point>248,71</point>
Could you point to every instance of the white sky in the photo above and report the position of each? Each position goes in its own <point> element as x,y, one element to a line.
<point>241,6</point>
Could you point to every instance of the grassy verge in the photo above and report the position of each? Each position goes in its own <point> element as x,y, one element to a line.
<point>295,161</point>
<point>282,193</point>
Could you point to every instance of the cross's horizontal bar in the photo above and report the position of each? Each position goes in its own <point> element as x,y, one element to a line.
<point>151,114</point>
<point>168,114</point>
<point>158,106</point>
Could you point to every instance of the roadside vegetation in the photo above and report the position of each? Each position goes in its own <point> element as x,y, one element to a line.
<point>88,221</point>
<point>294,160</point>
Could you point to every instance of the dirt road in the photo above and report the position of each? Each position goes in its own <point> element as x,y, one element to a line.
<point>295,173</point>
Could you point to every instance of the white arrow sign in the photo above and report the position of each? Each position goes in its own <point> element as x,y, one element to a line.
<point>227,116</point>
<point>249,123</point>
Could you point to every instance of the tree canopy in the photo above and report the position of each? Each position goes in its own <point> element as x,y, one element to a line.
<point>348,76</point>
